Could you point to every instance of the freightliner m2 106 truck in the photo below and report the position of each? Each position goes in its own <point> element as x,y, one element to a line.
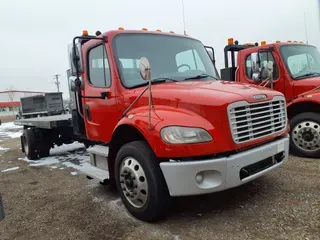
<point>292,68</point>
<point>160,122</point>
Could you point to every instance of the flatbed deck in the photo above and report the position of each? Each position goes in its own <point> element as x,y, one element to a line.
<point>50,122</point>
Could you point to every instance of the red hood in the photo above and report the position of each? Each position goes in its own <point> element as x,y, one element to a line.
<point>304,85</point>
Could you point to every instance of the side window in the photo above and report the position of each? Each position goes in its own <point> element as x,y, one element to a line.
<point>190,60</point>
<point>267,61</point>
<point>99,71</point>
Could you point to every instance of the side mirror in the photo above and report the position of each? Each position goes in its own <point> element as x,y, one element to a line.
<point>210,52</point>
<point>75,59</point>
<point>75,84</point>
<point>255,63</point>
<point>145,70</point>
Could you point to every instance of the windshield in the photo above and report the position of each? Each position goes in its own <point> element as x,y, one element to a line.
<point>170,57</point>
<point>302,61</point>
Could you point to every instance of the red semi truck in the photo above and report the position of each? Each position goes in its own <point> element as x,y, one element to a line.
<point>292,68</point>
<point>159,121</point>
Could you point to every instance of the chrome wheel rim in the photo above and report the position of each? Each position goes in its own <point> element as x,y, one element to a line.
<point>306,136</point>
<point>133,182</point>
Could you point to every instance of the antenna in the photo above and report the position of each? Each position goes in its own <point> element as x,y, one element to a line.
<point>305,27</point>
<point>183,18</point>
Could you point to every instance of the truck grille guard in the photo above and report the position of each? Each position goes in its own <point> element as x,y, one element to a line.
<point>249,122</point>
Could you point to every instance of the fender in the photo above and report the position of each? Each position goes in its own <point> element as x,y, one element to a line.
<point>163,116</point>
<point>312,97</point>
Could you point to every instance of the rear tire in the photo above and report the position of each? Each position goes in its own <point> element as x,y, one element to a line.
<point>30,144</point>
<point>140,182</point>
<point>305,135</point>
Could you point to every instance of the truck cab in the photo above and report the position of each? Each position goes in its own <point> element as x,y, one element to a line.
<point>292,68</point>
<point>160,122</point>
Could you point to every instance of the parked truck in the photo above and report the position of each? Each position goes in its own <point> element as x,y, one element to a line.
<point>161,122</point>
<point>292,68</point>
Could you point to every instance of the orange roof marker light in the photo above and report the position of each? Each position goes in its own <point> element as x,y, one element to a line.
<point>263,43</point>
<point>289,41</point>
<point>158,30</point>
<point>278,41</point>
<point>171,32</point>
<point>85,33</point>
<point>301,42</point>
<point>144,29</point>
<point>230,41</point>
<point>120,28</point>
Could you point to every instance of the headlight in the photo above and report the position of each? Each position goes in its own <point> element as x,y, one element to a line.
<point>178,135</point>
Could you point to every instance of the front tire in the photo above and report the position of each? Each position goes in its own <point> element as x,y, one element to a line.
<point>140,182</point>
<point>305,135</point>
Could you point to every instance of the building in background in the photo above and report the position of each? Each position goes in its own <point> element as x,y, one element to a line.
<point>10,101</point>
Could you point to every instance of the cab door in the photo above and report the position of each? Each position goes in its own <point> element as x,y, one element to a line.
<point>100,113</point>
<point>246,68</point>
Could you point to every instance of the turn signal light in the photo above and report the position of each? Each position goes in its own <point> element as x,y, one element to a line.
<point>263,43</point>
<point>230,41</point>
<point>85,33</point>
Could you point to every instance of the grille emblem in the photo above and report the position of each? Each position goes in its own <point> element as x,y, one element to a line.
<point>260,97</point>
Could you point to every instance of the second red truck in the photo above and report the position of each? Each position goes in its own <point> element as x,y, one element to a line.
<point>289,67</point>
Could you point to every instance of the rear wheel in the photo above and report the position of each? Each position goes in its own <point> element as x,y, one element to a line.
<point>140,182</point>
<point>305,134</point>
<point>30,144</point>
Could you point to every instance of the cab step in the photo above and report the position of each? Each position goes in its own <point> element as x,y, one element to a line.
<point>95,172</point>
<point>98,167</point>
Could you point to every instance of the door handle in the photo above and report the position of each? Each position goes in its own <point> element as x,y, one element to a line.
<point>87,111</point>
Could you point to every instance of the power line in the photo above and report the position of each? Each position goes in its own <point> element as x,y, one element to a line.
<point>57,82</point>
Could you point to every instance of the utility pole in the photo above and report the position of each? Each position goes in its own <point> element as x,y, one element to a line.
<point>57,82</point>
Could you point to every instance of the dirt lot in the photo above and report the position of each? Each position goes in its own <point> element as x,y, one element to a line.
<point>53,202</point>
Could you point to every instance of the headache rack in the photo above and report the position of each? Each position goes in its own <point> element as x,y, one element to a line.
<point>256,120</point>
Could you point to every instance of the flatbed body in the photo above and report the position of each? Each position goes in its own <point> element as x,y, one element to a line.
<point>46,122</point>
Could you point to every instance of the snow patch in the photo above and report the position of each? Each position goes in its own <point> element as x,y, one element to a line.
<point>47,161</point>
<point>4,149</point>
<point>9,130</point>
<point>74,173</point>
<point>10,169</point>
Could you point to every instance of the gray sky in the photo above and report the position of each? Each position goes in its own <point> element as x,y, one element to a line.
<point>35,33</point>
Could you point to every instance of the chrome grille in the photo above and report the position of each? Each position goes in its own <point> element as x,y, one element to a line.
<point>253,121</point>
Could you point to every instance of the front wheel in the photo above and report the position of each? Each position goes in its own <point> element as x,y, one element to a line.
<point>140,182</point>
<point>305,135</point>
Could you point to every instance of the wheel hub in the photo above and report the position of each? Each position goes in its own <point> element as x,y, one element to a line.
<point>133,182</point>
<point>306,136</point>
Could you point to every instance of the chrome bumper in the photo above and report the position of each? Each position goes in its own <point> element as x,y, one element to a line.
<point>217,174</point>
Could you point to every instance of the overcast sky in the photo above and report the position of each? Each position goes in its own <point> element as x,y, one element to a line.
<point>35,33</point>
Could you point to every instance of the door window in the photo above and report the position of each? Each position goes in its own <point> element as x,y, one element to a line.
<point>99,70</point>
<point>265,58</point>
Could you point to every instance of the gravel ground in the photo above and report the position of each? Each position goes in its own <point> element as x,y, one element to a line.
<point>45,203</point>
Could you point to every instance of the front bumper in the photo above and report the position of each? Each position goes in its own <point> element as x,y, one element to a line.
<point>217,174</point>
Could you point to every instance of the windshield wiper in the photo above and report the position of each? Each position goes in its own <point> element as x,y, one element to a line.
<point>200,76</point>
<point>157,80</point>
<point>308,75</point>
